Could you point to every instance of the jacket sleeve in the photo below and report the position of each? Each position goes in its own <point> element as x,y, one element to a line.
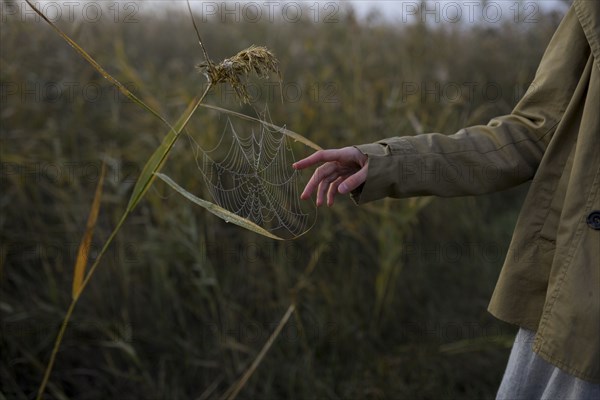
<point>485,158</point>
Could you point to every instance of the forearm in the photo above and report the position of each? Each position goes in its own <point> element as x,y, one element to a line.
<point>483,158</point>
<point>475,160</point>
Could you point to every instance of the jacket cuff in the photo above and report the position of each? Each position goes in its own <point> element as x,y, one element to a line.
<point>381,174</point>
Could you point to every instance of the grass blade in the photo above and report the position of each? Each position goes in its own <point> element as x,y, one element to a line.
<point>233,391</point>
<point>220,212</point>
<point>84,246</point>
<point>156,161</point>
<point>296,136</point>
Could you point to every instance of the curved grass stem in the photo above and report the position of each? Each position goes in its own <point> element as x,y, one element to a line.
<point>67,318</point>
<point>88,277</point>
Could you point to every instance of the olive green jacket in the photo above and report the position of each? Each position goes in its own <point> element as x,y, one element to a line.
<point>550,281</point>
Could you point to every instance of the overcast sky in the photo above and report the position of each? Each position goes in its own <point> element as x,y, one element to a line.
<point>458,10</point>
<point>402,11</point>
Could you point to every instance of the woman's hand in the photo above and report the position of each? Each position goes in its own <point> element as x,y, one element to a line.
<point>343,171</point>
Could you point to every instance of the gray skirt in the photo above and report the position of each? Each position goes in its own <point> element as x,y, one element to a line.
<point>528,376</point>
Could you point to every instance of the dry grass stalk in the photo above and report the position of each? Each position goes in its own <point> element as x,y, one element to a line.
<point>257,59</point>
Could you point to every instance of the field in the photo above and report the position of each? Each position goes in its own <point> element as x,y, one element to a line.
<point>390,298</point>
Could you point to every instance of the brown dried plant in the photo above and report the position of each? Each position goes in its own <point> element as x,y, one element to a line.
<point>257,59</point>
<point>233,70</point>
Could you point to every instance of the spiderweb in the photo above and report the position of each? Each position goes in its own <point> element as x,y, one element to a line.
<point>252,177</point>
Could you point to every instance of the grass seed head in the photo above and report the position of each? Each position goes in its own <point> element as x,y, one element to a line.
<point>232,70</point>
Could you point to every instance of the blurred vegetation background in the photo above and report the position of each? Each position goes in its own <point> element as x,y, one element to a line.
<point>390,297</point>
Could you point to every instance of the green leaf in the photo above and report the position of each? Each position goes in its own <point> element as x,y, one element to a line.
<point>156,161</point>
<point>219,211</point>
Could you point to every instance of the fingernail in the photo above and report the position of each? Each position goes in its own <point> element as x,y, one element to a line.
<point>343,188</point>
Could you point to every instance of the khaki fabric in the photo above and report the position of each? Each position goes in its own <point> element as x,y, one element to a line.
<point>550,281</point>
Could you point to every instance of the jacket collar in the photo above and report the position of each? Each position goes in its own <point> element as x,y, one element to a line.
<point>588,12</point>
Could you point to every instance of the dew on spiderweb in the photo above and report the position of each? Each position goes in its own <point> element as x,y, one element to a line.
<point>250,174</point>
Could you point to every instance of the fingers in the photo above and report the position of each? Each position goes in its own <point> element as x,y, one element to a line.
<point>338,174</point>
<point>354,181</point>
<point>315,158</point>
<point>340,185</point>
<point>328,183</point>
<point>320,174</point>
<point>321,156</point>
<point>333,190</point>
<point>324,188</point>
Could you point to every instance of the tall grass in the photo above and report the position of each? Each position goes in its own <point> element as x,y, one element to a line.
<point>234,71</point>
<point>184,303</point>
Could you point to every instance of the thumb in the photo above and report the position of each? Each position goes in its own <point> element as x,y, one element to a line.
<point>354,181</point>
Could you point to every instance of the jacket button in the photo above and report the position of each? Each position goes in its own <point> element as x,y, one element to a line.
<point>593,220</point>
